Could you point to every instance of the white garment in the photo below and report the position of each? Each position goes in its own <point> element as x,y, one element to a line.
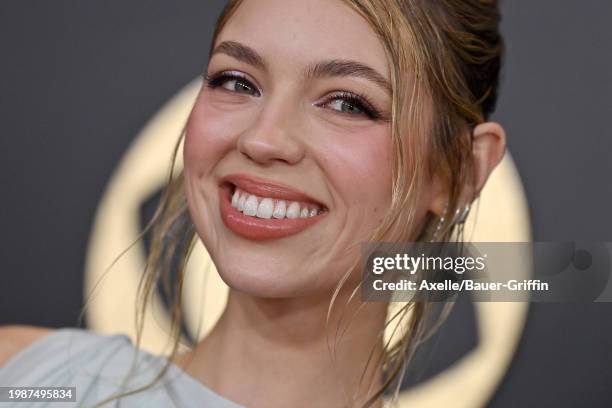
<point>97,365</point>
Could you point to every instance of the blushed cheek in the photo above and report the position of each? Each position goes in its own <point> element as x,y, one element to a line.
<point>209,136</point>
<point>360,166</point>
<point>377,170</point>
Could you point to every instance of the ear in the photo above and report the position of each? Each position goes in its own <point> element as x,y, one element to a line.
<point>488,148</point>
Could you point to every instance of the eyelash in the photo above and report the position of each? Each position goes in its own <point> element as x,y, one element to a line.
<point>215,81</point>
<point>357,100</point>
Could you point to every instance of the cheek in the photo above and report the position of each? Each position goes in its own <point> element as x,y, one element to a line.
<point>360,167</point>
<point>210,134</point>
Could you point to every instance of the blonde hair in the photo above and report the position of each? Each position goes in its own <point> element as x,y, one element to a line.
<point>445,59</point>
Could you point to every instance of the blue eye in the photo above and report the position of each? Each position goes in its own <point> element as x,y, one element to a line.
<point>344,106</point>
<point>348,103</point>
<point>233,83</point>
<point>240,86</point>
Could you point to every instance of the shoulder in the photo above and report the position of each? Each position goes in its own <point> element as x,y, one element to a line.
<point>102,364</point>
<point>32,354</point>
<point>15,338</point>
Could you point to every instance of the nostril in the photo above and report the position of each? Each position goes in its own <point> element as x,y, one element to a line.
<point>270,147</point>
<point>246,155</point>
<point>263,157</point>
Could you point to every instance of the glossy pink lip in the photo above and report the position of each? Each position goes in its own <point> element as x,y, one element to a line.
<point>259,228</point>
<point>264,188</point>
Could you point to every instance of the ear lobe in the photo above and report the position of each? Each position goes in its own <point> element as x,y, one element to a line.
<point>488,148</point>
<point>439,202</point>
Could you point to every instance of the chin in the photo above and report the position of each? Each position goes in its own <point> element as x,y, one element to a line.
<point>274,269</point>
<point>268,282</point>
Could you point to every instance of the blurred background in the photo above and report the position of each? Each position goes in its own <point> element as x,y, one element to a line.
<point>78,81</point>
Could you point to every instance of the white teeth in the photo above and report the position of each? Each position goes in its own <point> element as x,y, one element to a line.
<point>280,210</point>
<point>235,199</point>
<point>294,210</point>
<point>241,202</point>
<point>268,208</point>
<point>265,209</point>
<point>250,206</point>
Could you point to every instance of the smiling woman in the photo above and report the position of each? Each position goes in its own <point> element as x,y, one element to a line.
<point>320,125</point>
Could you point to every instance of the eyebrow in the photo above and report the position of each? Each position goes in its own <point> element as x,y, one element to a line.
<point>345,68</point>
<point>241,52</point>
<point>331,68</point>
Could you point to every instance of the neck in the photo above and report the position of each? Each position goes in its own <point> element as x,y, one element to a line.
<point>287,352</point>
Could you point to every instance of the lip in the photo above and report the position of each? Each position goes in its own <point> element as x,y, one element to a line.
<point>265,188</point>
<point>260,229</point>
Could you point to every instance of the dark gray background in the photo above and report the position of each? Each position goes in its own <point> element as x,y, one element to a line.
<point>78,79</point>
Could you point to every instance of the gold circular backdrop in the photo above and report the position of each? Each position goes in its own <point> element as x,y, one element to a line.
<point>501,215</point>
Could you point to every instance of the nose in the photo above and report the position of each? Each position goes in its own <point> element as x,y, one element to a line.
<point>274,136</point>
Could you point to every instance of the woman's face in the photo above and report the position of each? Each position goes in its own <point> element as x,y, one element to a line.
<point>288,149</point>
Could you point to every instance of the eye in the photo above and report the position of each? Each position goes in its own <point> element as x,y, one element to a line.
<point>346,107</point>
<point>348,103</point>
<point>232,82</point>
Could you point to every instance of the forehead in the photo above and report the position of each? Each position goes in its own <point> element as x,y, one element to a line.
<point>302,32</point>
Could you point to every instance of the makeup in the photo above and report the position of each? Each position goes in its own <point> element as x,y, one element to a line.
<point>260,210</point>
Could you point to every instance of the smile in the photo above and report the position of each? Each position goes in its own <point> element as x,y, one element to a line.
<point>261,210</point>
<point>267,207</point>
